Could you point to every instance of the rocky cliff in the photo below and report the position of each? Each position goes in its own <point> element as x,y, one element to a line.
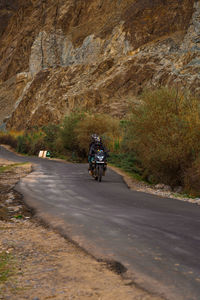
<point>58,55</point>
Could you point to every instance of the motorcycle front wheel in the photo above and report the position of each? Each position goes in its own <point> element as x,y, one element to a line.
<point>100,173</point>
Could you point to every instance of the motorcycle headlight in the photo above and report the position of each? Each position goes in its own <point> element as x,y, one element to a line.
<point>100,158</point>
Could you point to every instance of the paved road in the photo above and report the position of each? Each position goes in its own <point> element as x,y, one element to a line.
<point>156,239</point>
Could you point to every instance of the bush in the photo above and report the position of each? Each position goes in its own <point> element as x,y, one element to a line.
<point>192,179</point>
<point>8,139</point>
<point>22,146</point>
<point>103,125</point>
<point>165,132</point>
<point>126,161</point>
<point>30,142</point>
<point>67,132</point>
<point>52,139</point>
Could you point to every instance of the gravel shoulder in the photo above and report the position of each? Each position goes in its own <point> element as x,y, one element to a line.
<point>37,263</point>
<point>140,186</point>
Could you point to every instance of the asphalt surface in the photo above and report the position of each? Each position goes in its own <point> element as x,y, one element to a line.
<point>156,239</point>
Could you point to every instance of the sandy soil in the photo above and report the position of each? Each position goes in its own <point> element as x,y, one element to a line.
<point>40,264</point>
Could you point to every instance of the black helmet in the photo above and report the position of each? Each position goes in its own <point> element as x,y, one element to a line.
<point>96,139</point>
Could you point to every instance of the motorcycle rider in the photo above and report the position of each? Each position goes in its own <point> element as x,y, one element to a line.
<point>95,145</point>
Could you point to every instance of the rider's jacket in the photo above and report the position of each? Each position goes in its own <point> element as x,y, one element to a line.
<point>94,147</point>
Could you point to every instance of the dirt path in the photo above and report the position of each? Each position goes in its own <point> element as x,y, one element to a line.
<point>36,263</point>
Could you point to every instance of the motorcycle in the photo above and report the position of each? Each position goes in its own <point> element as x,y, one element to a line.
<point>99,165</point>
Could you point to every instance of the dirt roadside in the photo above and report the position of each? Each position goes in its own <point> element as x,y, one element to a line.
<point>37,263</point>
<point>140,186</point>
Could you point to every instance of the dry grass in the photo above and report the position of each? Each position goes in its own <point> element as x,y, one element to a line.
<point>165,132</point>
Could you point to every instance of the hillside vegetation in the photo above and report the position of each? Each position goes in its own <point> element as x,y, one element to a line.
<point>158,142</point>
<point>69,68</point>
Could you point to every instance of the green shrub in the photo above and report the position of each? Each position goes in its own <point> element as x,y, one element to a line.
<point>22,146</point>
<point>165,132</point>
<point>30,142</point>
<point>126,161</point>
<point>52,139</point>
<point>67,132</point>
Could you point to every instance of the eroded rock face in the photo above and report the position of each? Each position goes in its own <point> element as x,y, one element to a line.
<point>95,54</point>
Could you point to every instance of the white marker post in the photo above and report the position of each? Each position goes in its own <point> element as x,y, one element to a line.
<point>41,153</point>
<point>44,154</point>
